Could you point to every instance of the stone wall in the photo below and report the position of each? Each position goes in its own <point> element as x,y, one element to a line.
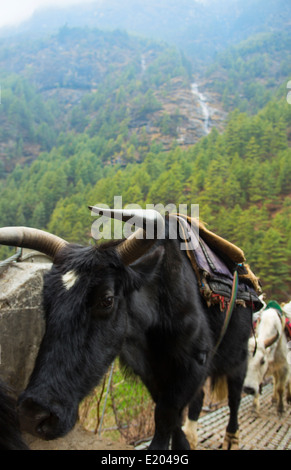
<point>21,319</point>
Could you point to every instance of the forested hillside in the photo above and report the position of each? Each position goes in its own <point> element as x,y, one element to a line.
<point>83,79</point>
<point>248,75</point>
<point>84,117</point>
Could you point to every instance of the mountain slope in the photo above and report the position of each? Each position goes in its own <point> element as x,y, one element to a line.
<point>112,110</point>
<point>82,78</point>
<point>248,75</point>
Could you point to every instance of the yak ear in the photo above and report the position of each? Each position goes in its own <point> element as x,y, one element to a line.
<point>146,268</point>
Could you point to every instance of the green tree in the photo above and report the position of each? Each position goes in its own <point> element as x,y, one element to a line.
<point>39,218</point>
<point>272,261</point>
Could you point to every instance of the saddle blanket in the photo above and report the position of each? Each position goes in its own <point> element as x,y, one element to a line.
<point>215,261</point>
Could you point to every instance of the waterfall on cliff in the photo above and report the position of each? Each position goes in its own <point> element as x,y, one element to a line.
<point>204,107</point>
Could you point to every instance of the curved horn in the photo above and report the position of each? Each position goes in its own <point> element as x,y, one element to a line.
<point>140,241</point>
<point>32,238</point>
<point>269,341</point>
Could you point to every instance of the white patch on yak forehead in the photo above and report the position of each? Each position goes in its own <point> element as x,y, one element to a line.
<point>69,279</point>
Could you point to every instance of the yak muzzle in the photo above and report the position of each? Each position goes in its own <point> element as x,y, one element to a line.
<point>41,422</point>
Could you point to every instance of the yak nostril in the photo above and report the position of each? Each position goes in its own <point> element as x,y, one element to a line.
<point>48,421</point>
<point>45,426</point>
<point>249,390</point>
<point>32,416</point>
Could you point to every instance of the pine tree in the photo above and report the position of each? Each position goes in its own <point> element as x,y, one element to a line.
<point>272,264</point>
<point>252,150</point>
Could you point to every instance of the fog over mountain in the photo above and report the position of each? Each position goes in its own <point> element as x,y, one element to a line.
<point>200,28</point>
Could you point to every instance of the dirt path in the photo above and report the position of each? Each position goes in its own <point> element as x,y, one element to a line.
<point>77,439</point>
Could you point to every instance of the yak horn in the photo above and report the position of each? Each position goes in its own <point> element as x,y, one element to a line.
<point>269,341</point>
<point>140,241</point>
<point>32,238</point>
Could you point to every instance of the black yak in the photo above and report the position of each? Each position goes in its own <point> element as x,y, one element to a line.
<point>138,299</point>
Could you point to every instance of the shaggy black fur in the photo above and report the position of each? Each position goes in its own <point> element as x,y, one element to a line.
<point>152,316</point>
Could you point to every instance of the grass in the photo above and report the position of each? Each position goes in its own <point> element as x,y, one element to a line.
<point>119,408</point>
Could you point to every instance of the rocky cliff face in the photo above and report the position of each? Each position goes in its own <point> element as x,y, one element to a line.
<point>202,113</point>
<point>185,116</point>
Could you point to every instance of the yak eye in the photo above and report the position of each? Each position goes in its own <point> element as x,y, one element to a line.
<point>101,302</point>
<point>262,361</point>
<point>106,302</point>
